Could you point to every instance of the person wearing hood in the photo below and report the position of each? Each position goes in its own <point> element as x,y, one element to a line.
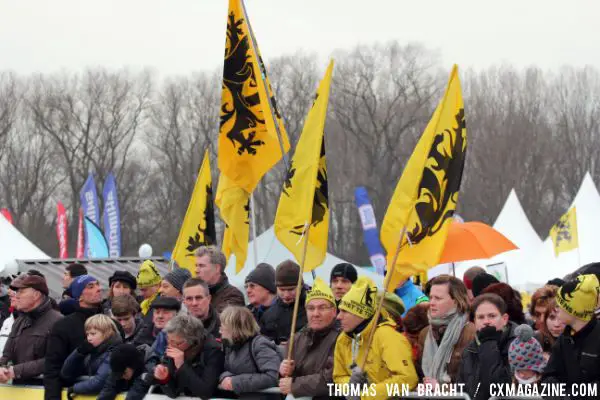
<point>485,360</point>
<point>311,367</point>
<point>210,267</point>
<point>196,297</point>
<point>120,283</point>
<point>389,360</point>
<point>575,356</point>
<point>261,290</point>
<point>91,358</point>
<point>25,349</point>
<point>125,309</point>
<point>126,368</point>
<point>68,333</point>
<point>343,276</point>
<point>276,322</point>
<point>148,281</point>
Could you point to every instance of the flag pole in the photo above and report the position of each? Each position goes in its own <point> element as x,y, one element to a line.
<point>388,277</point>
<point>253,223</point>
<point>298,290</point>
<point>263,80</point>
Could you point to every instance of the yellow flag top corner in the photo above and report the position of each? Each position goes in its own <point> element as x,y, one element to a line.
<point>198,227</point>
<point>564,233</point>
<point>248,142</point>
<point>425,197</point>
<point>304,198</point>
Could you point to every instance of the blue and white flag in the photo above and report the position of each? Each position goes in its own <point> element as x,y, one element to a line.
<point>97,246</point>
<point>370,232</point>
<point>112,217</point>
<point>89,203</point>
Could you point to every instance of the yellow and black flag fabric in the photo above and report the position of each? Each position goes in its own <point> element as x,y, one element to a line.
<point>424,200</point>
<point>248,141</point>
<point>304,198</point>
<point>564,233</point>
<point>234,205</point>
<point>198,228</point>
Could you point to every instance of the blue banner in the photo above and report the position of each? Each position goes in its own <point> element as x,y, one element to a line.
<point>370,232</point>
<point>112,217</point>
<point>89,203</point>
<point>97,246</point>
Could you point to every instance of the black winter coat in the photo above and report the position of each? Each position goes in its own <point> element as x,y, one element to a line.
<point>575,357</point>
<point>276,322</point>
<point>486,363</point>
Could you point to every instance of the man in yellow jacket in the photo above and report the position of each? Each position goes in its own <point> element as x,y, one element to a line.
<point>389,363</point>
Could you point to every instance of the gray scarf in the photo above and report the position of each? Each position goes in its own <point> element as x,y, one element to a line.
<point>436,358</point>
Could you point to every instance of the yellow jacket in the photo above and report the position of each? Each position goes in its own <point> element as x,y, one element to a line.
<point>389,360</point>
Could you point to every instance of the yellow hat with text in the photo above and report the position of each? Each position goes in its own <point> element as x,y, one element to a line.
<point>320,290</point>
<point>579,297</point>
<point>361,299</point>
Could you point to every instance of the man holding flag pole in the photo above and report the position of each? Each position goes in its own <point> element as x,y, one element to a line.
<point>413,232</point>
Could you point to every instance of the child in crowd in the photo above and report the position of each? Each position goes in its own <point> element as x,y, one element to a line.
<point>526,357</point>
<point>92,357</point>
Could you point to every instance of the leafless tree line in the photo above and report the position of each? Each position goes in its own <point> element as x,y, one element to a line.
<point>533,130</point>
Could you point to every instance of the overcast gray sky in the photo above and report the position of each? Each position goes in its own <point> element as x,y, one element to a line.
<point>181,36</point>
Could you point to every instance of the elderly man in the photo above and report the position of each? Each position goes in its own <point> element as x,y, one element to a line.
<point>196,297</point>
<point>261,290</point>
<point>210,267</point>
<point>390,356</point>
<point>68,333</point>
<point>311,367</point>
<point>25,349</point>
<point>163,310</point>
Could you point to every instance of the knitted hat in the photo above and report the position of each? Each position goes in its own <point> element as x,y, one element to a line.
<point>126,356</point>
<point>361,299</point>
<point>177,278</point>
<point>482,281</point>
<point>525,352</point>
<point>579,297</point>
<point>320,290</point>
<point>393,305</point>
<point>168,303</point>
<point>344,270</point>
<point>148,275</point>
<point>263,275</point>
<point>123,276</point>
<point>287,273</point>
<point>79,284</point>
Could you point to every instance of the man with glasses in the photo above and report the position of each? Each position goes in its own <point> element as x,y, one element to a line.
<point>308,373</point>
<point>25,350</point>
<point>197,299</point>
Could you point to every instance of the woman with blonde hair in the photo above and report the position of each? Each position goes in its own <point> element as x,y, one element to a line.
<point>251,360</point>
<point>92,357</point>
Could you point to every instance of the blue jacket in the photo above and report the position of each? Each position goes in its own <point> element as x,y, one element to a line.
<point>95,365</point>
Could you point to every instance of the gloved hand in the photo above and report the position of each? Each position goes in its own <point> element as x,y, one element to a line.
<point>85,348</point>
<point>70,394</point>
<point>489,333</point>
<point>358,377</point>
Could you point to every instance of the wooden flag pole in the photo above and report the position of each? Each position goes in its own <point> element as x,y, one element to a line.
<point>298,290</point>
<point>253,223</point>
<point>388,277</point>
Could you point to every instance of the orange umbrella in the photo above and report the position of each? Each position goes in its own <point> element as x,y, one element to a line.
<point>472,241</point>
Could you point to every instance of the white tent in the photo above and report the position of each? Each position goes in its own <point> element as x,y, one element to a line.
<point>13,245</point>
<point>544,265</point>
<point>271,251</point>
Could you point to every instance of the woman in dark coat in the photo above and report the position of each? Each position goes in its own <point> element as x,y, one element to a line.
<point>485,359</point>
<point>251,360</point>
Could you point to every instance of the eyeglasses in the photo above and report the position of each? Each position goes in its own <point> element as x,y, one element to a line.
<point>192,298</point>
<point>320,308</point>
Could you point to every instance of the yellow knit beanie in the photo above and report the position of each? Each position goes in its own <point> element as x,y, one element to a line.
<point>320,290</point>
<point>361,299</point>
<point>148,275</point>
<point>579,297</point>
